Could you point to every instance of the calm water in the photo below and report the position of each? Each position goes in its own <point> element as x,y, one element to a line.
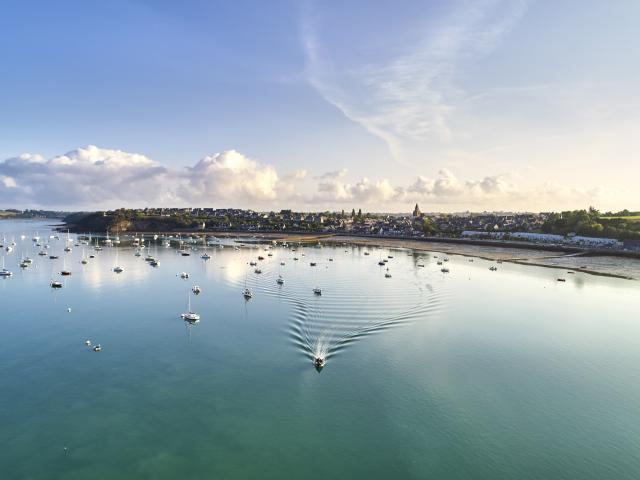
<point>472,374</point>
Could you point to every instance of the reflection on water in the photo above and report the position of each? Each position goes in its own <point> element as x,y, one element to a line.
<point>468,374</point>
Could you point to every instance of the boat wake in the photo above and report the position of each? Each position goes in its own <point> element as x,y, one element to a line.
<point>348,310</point>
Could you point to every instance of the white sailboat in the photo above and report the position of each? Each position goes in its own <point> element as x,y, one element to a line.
<point>118,268</point>
<point>189,316</point>
<point>67,247</point>
<point>4,272</point>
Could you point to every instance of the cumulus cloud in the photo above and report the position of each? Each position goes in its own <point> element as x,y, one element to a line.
<point>229,176</point>
<point>85,176</point>
<point>94,177</point>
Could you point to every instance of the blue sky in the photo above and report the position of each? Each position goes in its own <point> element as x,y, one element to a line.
<point>492,104</point>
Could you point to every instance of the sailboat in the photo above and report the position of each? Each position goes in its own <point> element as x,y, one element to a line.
<point>149,257</point>
<point>4,272</point>
<point>117,268</point>
<point>84,260</point>
<point>26,262</point>
<point>64,272</point>
<point>190,316</point>
<point>67,248</point>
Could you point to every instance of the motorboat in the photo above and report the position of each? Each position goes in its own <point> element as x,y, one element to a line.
<point>381,263</point>
<point>257,270</point>
<point>205,256</point>
<point>319,362</point>
<point>280,281</point>
<point>118,269</point>
<point>55,284</point>
<point>313,264</point>
<point>247,293</point>
<point>183,275</point>
<point>317,291</point>
<point>196,289</point>
<point>493,268</point>
<point>155,263</point>
<point>387,275</point>
<point>444,270</point>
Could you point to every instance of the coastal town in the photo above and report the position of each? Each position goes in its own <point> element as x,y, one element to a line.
<point>584,228</point>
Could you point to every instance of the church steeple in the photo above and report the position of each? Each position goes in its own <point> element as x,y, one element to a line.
<point>416,211</point>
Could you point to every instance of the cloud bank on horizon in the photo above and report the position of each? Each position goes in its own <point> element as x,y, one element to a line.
<point>99,178</point>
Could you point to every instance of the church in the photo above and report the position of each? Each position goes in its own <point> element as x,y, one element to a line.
<point>416,211</point>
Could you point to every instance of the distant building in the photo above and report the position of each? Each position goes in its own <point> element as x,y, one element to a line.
<point>416,211</point>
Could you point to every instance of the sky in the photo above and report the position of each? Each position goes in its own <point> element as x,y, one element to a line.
<point>513,105</point>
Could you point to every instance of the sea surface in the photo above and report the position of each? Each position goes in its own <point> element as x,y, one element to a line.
<point>470,374</point>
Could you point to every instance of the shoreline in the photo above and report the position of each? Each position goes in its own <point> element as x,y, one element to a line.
<point>616,264</point>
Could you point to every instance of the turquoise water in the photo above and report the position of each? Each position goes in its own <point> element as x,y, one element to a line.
<point>472,374</point>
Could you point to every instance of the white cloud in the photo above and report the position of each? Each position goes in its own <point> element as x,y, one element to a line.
<point>231,177</point>
<point>95,177</point>
<point>85,176</point>
<point>8,182</point>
